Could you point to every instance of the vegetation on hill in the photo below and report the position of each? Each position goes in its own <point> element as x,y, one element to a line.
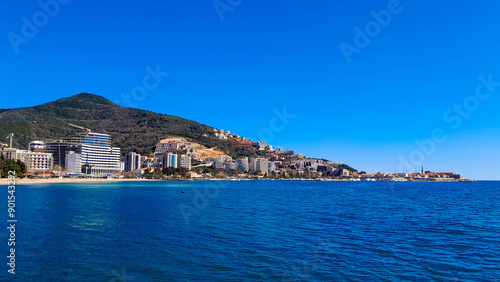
<point>133,130</point>
<point>130,129</point>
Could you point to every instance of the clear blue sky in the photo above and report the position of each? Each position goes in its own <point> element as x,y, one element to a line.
<point>266,55</point>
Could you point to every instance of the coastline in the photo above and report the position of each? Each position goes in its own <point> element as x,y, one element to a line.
<point>20,181</point>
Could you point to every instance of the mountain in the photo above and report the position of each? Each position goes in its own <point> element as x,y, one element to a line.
<point>130,129</point>
<point>133,130</point>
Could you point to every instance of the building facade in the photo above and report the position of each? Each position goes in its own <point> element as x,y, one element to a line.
<point>168,160</point>
<point>132,161</point>
<point>243,164</point>
<point>98,158</point>
<point>185,161</point>
<point>73,162</point>
<point>37,162</point>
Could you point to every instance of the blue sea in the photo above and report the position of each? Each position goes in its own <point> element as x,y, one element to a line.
<point>255,231</point>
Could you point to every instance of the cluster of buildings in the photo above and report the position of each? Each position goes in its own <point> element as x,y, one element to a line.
<point>422,176</point>
<point>85,154</point>
<point>90,154</point>
<point>172,152</point>
<point>179,153</point>
<point>219,133</point>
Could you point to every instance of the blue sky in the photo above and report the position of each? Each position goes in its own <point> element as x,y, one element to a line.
<point>231,64</point>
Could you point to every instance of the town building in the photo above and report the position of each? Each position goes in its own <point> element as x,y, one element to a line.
<point>242,164</point>
<point>37,162</point>
<point>230,166</point>
<point>261,145</point>
<point>73,162</point>
<point>132,161</point>
<point>13,153</point>
<point>168,160</point>
<point>36,146</point>
<point>185,161</point>
<point>259,164</point>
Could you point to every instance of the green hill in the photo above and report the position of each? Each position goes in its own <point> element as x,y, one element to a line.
<point>130,129</point>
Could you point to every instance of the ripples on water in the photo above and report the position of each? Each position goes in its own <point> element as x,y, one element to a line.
<point>258,230</point>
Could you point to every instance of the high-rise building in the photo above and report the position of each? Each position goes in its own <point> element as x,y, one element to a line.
<point>259,164</point>
<point>73,162</point>
<point>169,160</point>
<point>98,158</point>
<point>132,161</point>
<point>262,165</point>
<point>243,164</point>
<point>185,161</point>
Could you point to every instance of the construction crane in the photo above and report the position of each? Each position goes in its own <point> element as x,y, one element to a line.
<point>10,136</point>
<point>81,127</point>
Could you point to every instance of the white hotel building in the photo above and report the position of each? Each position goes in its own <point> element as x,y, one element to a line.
<point>96,156</point>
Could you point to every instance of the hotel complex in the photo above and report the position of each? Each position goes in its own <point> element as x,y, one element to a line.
<point>86,153</point>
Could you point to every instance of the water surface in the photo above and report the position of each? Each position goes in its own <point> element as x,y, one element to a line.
<point>257,230</point>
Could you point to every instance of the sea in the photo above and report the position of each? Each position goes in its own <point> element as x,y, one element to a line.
<point>254,231</point>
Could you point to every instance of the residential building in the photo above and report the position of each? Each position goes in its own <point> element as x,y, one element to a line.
<point>169,160</point>
<point>218,164</point>
<point>262,165</point>
<point>132,161</point>
<point>38,162</point>
<point>262,145</point>
<point>185,162</point>
<point>13,153</point>
<point>242,164</point>
<point>230,166</point>
<point>73,162</point>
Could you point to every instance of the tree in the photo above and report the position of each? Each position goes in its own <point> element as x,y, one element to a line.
<point>7,165</point>
<point>58,168</point>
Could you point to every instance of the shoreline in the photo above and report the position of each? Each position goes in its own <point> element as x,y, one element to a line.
<point>20,181</point>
